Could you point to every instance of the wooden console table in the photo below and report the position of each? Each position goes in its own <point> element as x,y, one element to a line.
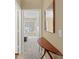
<point>48,47</point>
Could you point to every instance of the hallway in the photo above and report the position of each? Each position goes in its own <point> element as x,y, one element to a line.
<point>36,19</point>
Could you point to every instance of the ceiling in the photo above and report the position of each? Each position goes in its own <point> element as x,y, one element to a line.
<point>31,4</point>
<point>35,4</point>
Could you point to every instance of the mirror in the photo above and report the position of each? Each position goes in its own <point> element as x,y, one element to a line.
<point>50,18</point>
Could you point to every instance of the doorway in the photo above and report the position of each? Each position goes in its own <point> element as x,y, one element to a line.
<point>31,29</point>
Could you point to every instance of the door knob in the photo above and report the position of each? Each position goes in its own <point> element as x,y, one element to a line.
<point>25,39</point>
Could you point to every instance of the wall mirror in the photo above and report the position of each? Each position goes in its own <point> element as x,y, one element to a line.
<point>50,18</point>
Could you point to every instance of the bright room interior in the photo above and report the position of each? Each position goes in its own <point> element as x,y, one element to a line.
<point>31,25</point>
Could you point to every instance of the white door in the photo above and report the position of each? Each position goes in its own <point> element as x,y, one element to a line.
<point>31,33</point>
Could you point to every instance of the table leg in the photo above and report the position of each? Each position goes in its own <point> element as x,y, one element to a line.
<point>49,54</point>
<point>44,53</point>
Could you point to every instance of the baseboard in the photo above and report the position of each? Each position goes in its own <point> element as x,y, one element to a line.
<point>16,53</point>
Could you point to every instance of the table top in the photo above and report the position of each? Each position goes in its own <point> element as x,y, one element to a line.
<point>48,46</point>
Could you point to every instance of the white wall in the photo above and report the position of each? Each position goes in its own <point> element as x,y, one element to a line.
<point>17,19</point>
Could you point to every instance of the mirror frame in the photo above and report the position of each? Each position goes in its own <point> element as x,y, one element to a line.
<point>53,16</point>
<point>53,3</point>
